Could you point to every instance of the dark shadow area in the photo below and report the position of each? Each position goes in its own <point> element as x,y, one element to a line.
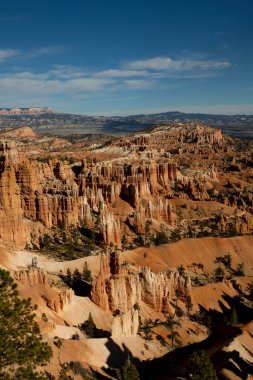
<point>118,358</point>
<point>93,237</point>
<point>173,364</point>
<point>244,312</point>
<point>82,288</point>
<point>223,327</point>
<point>234,363</point>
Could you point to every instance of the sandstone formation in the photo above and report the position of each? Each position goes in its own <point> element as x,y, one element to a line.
<point>55,299</point>
<point>58,300</point>
<point>31,277</point>
<point>126,324</point>
<point>114,190</point>
<point>119,288</point>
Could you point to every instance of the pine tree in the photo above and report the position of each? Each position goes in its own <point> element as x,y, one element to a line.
<point>188,304</point>
<point>77,276</point>
<point>218,274</point>
<point>130,371</point>
<point>249,289</point>
<point>69,279</point>
<point>171,324</point>
<point>200,367</point>
<point>124,241</point>
<point>21,346</point>
<point>89,327</point>
<point>86,274</point>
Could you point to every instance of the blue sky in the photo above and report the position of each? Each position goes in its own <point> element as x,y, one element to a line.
<point>104,57</point>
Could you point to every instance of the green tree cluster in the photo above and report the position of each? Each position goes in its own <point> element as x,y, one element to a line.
<point>200,367</point>
<point>22,349</point>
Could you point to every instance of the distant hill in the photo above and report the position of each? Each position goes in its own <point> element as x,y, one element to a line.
<point>18,133</point>
<point>25,111</point>
<point>240,126</point>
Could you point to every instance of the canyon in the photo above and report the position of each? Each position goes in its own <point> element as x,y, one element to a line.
<point>147,214</point>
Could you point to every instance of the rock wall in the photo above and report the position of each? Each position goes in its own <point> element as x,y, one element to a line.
<point>126,324</point>
<point>31,277</point>
<point>53,195</point>
<point>121,291</point>
<point>55,299</point>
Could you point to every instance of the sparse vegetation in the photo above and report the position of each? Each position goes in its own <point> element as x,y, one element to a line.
<point>200,367</point>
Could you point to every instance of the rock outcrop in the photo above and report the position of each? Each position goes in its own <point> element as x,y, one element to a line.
<point>121,289</point>
<point>126,324</point>
<point>31,277</point>
<point>111,197</point>
<point>55,299</point>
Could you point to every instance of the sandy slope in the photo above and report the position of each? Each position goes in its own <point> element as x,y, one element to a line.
<point>187,251</point>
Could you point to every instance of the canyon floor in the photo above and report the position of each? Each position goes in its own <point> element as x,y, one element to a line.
<point>148,237</point>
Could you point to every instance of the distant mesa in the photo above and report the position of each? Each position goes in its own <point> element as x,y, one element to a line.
<point>25,111</point>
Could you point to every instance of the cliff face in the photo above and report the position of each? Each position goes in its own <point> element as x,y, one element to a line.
<point>125,288</point>
<point>55,299</point>
<point>126,324</point>
<point>31,277</point>
<point>54,195</point>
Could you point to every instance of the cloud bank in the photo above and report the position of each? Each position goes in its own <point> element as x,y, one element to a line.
<point>24,87</point>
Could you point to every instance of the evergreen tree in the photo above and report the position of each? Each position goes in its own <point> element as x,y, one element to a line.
<point>148,237</point>
<point>171,324</point>
<point>124,241</point>
<point>188,304</point>
<point>201,267</point>
<point>249,289</point>
<point>218,274</point>
<point>239,271</point>
<point>161,236</point>
<point>86,274</point>
<point>227,261</point>
<point>181,270</point>
<point>200,367</point>
<point>130,371</point>
<point>218,260</point>
<point>77,276</point>
<point>89,327</point>
<point>21,346</point>
<point>69,280</point>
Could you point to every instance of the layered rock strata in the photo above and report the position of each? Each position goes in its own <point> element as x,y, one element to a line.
<point>122,290</point>
<point>55,299</point>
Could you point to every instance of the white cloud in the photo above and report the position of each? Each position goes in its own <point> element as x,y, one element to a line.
<point>137,84</point>
<point>75,82</point>
<point>169,64</point>
<point>28,83</point>
<point>5,54</point>
<point>66,72</point>
<point>119,73</point>
<point>44,51</point>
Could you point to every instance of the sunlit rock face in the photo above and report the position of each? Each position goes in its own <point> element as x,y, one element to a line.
<point>119,287</point>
